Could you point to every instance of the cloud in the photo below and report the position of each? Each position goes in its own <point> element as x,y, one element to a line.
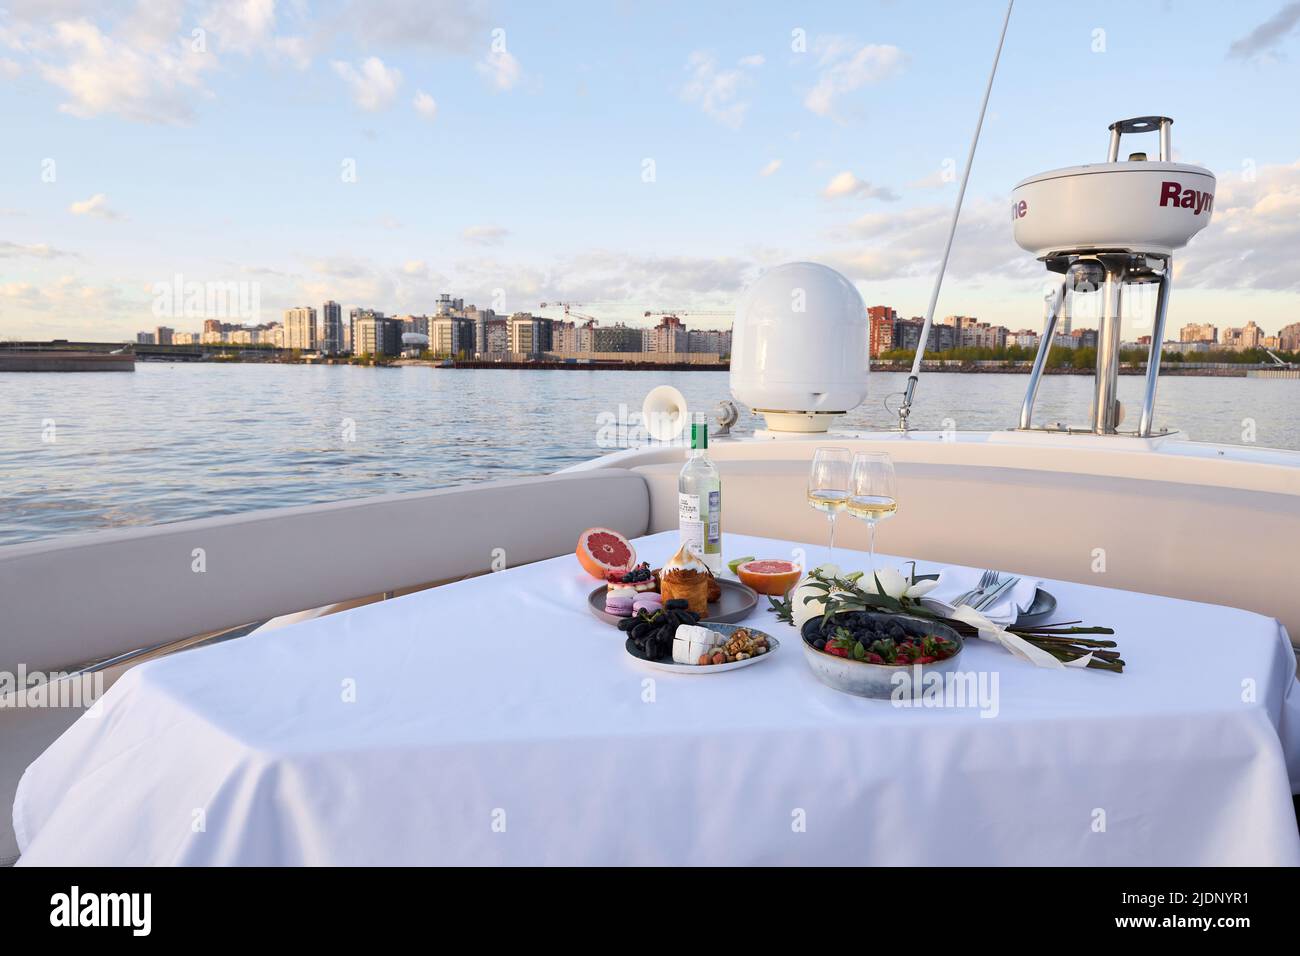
<point>68,308</point>
<point>425,105</point>
<point>266,271</point>
<point>754,59</point>
<point>501,69</point>
<point>770,168</point>
<point>10,69</point>
<point>718,92</point>
<point>644,280</point>
<point>146,62</point>
<point>936,180</point>
<point>14,250</point>
<point>241,25</point>
<point>595,276</point>
<point>295,50</point>
<point>846,67</point>
<point>846,184</point>
<point>96,205</point>
<point>1251,243</point>
<point>1253,239</point>
<point>905,243</point>
<point>1267,35</point>
<point>485,235</point>
<point>340,267</point>
<point>446,26</point>
<point>374,86</point>
<point>141,79</point>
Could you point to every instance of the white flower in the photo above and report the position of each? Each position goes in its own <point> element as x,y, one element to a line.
<point>896,585</point>
<point>801,611</point>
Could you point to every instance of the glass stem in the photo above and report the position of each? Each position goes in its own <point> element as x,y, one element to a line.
<point>831,518</point>
<point>871,526</point>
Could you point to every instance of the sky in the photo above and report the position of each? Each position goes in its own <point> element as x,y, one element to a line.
<point>621,156</point>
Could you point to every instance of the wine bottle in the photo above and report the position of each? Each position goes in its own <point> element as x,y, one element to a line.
<point>699,499</point>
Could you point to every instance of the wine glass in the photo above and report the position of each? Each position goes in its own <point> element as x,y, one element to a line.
<point>828,485</point>
<point>872,493</point>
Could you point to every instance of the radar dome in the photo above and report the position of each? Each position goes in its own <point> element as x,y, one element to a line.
<point>799,347</point>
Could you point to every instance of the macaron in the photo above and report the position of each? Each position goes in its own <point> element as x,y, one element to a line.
<point>647,601</point>
<point>618,606</point>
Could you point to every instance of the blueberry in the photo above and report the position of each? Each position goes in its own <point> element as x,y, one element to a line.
<point>819,644</point>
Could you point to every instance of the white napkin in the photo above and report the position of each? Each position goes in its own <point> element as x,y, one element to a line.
<point>954,582</point>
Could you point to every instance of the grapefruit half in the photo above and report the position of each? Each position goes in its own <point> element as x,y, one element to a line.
<point>768,576</point>
<point>602,552</point>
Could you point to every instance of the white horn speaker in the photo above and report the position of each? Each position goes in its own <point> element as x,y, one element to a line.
<point>664,413</point>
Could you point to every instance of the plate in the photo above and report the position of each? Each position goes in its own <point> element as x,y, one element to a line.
<point>735,604</point>
<point>1040,609</point>
<point>667,665</point>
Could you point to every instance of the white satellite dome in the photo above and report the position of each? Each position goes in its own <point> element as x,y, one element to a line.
<point>799,347</point>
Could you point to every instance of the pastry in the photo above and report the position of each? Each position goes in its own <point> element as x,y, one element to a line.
<point>641,578</point>
<point>715,589</point>
<point>685,577</point>
<point>618,600</point>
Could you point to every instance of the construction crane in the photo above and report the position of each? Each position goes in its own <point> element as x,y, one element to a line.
<point>570,311</point>
<point>681,312</point>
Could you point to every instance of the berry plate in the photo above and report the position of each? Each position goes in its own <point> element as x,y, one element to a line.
<point>667,665</point>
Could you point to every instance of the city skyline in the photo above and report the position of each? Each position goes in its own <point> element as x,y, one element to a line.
<point>456,328</point>
<point>627,160</point>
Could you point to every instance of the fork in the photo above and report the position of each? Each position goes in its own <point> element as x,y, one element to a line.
<point>987,579</point>
<point>999,589</point>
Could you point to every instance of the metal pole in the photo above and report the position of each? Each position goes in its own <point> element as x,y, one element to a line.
<point>1055,307</point>
<point>1157,348</point>
<point>905,409</point>
<point>1105,417</point>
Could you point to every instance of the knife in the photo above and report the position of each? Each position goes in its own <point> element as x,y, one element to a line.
<point>1000,589</point>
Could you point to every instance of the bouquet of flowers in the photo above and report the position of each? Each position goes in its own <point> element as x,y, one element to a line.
<point>826,592</point>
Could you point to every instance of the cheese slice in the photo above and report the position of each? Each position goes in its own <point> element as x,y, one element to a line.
<point>690,642</point>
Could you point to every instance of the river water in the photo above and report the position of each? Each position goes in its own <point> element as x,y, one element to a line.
<point>80,452</point>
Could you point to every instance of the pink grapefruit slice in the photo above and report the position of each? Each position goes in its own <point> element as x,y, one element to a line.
<point>768,576</point>
<point>603,552</point>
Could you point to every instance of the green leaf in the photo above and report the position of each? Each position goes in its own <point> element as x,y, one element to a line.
<point>859,652</point>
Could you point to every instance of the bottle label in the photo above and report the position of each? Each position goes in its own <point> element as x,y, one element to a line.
<point>713,531</point>
<point>690,522</point>
<point>699,435</point>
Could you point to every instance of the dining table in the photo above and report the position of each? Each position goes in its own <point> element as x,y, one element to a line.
<point>496,721</point>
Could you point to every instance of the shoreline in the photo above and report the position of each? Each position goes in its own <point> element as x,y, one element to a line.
<point>53,362</point>
<point>67,356</point>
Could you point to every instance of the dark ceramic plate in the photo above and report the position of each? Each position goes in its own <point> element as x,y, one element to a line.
<point>1043,607</point>
<point>736,603</point>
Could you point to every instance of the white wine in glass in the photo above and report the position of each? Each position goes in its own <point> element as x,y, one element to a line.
<point>828,485</point>
<point>873,495</point>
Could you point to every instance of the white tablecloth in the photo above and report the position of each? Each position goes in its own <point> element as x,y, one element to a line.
<point>496,721</point>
